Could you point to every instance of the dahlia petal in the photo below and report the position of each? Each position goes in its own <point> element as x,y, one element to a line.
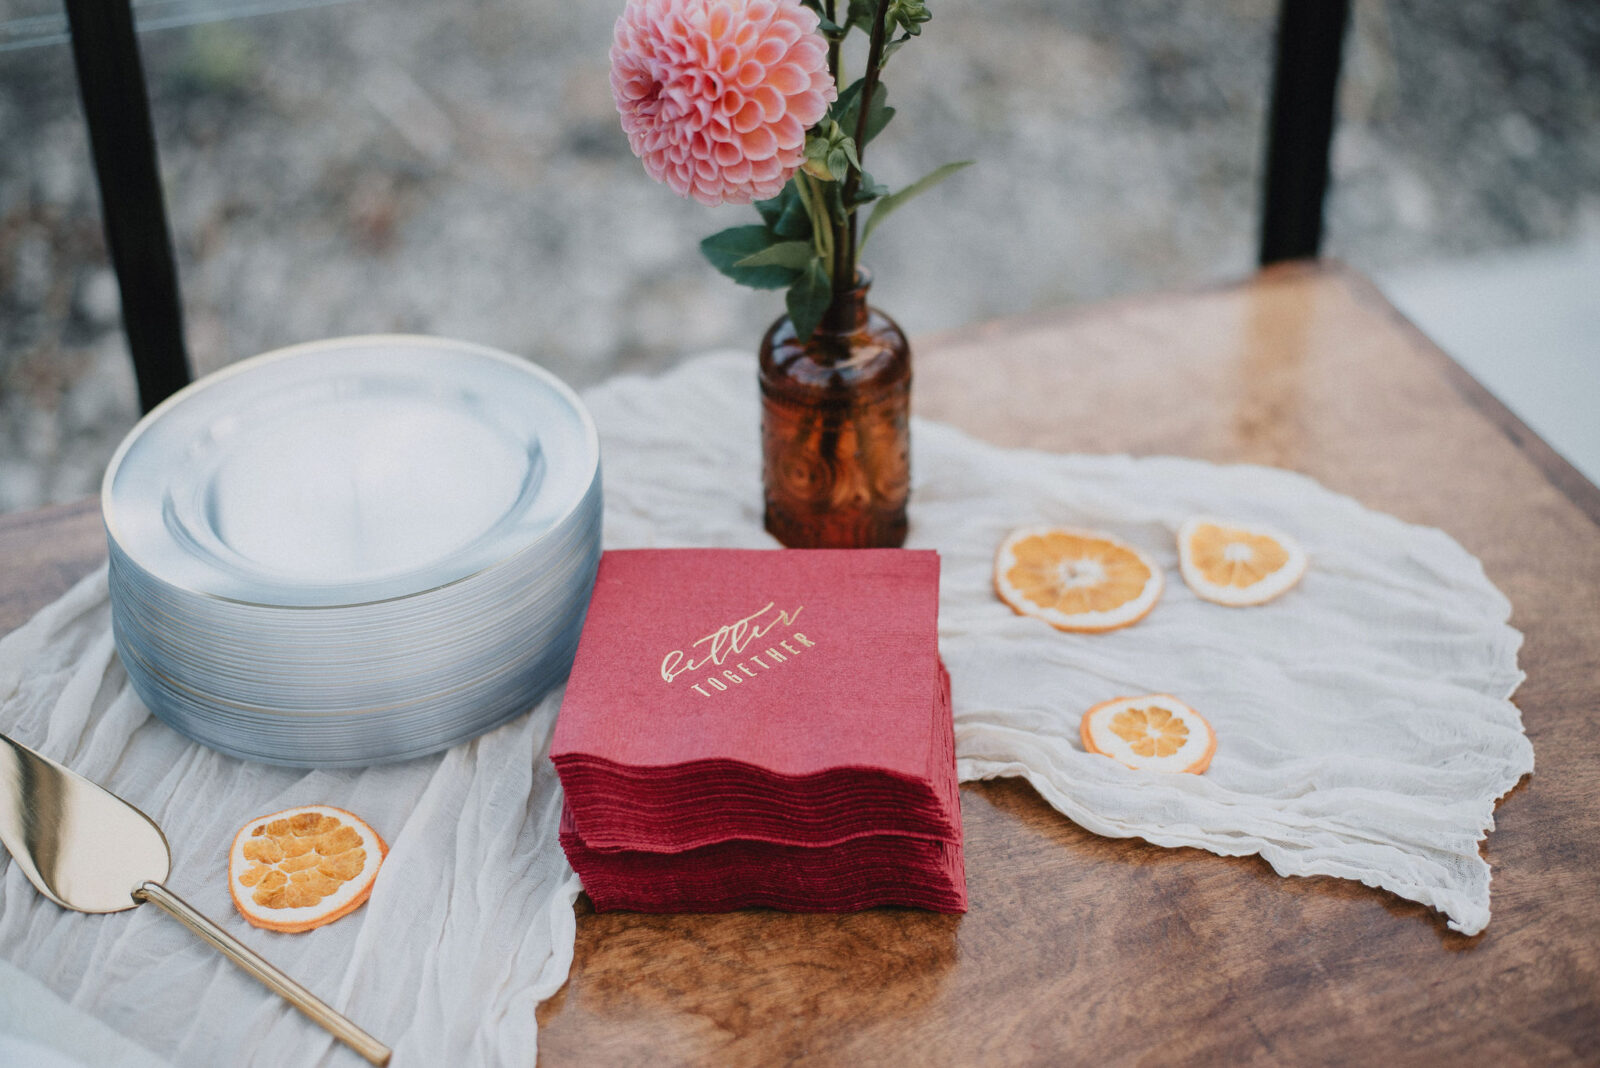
<point>750,75</point>
<point>808,107</point>
<point>789,131</point>
<point>767,53</point>
<point>699,48</point>
<point>759,144</point>
<point>808,54</point>
<point>788,79</point>
<point>788,31</point>
<point>727,156</point>
<point>768,189</point>
<point>749,117</point>
<point>770,101</point>
<point>765,170</point>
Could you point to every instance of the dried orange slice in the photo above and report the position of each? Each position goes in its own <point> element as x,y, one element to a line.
<point>303,867</point>
<point>1076,580</point>
<point>1238,564</point>
<point>1156,732</point>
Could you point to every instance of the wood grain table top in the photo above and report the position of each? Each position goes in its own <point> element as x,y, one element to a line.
<point>1081,949</point>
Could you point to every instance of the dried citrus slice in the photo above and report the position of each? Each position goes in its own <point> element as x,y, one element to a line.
<point>303,867</point>
<point>1238,564</point>
<point>1075,580</point>
<point>1156,732</point>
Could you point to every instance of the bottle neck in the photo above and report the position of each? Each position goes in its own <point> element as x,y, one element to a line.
<point>847,313</point>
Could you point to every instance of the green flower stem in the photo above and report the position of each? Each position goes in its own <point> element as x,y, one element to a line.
<point>822,229</point>
<point>832,10</point>
<point>845,246</point>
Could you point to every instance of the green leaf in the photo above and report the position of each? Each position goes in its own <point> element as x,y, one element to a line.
<point>878,115</point>
<point>847,108</point>
<point>847,145</point>
<point>791,254</point>
<point>909,15</point>
<point>845,101</point>
<point>785,215</point>
<point>727,247</point>
<point>895,200</point>
<point>861,14</point>
<point>891,47</point>
<point>871,189</point>
<point>829,152</point>
<point>808,298</point>
<point>793,223</point>
<point>838,164</point>
<point>772,210</point>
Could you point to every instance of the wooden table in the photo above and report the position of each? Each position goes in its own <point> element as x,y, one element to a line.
<point>1087,949</point>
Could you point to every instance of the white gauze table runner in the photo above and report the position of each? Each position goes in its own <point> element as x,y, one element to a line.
<point>1364,731</point>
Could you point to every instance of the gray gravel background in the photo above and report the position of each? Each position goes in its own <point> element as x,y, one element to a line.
<point>456,168</point>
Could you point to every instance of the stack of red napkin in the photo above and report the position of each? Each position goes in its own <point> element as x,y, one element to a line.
<point>749,727</point>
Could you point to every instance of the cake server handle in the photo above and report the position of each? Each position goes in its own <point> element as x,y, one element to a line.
<point>291,991</point>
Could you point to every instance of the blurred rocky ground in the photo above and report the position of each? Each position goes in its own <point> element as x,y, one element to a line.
<point>456,168</point>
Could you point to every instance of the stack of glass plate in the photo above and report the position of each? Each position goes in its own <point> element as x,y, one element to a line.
<point>353,551</point>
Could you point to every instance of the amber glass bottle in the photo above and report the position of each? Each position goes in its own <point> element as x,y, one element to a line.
<point>835,431</point>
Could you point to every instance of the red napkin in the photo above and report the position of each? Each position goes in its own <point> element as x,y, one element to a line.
<point>761,727</point>
<point>864,872</point>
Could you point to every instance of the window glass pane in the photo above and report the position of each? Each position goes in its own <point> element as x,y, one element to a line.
<point>457,168</point>
<point>1465,127</point>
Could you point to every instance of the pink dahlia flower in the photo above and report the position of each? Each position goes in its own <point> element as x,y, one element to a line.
<point>716,95</point>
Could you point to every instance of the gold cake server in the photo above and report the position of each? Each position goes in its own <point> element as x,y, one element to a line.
<point>87,849</point>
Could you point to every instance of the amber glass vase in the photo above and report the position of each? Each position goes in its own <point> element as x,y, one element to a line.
<point>835,429</point>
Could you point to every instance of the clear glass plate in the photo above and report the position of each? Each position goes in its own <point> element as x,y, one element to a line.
<point>350,471</point>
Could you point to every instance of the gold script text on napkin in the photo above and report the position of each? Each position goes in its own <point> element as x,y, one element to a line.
<point>727,645</point>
